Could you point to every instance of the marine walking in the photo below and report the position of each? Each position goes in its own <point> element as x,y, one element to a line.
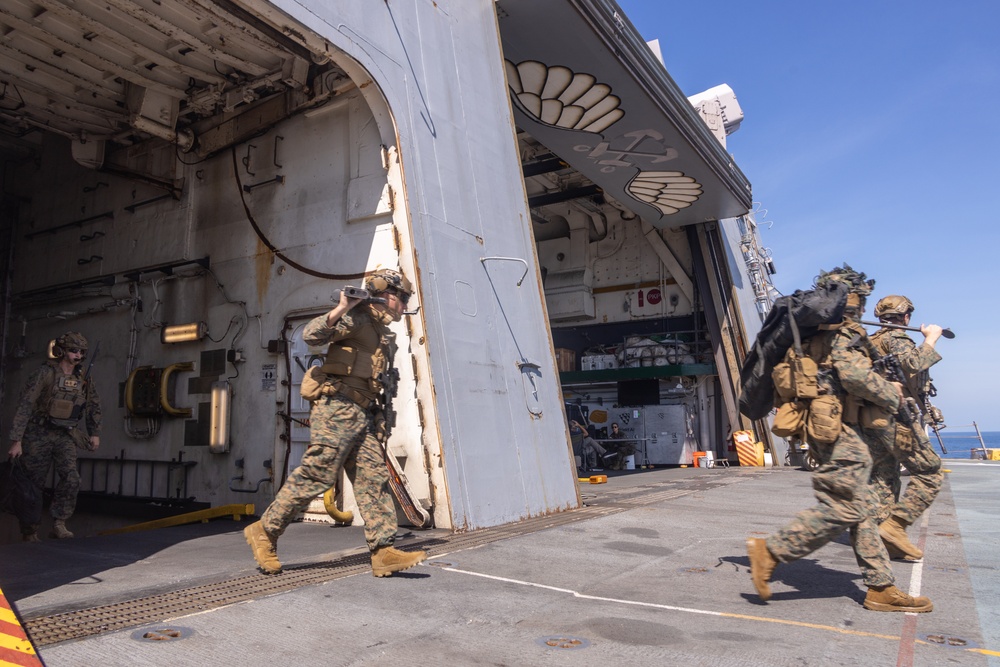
<point>347,425</point>
<point>829,393</point>
<point>896,443</point>
<point>45,432</point>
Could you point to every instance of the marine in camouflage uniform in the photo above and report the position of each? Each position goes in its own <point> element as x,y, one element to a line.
<point>346,428</point>
<point>42,436</point>
<point>897,443</point>
<point>841,481</point>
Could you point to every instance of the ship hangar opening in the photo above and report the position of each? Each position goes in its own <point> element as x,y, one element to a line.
<point>151,148</point>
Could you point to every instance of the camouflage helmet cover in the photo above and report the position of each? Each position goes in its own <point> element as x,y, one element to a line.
<point>856,281</point>
<point>71,339</point>
<point>385,279</point>
<point>894,304</point>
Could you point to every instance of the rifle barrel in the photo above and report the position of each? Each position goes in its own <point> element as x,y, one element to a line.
<point>947,333</point>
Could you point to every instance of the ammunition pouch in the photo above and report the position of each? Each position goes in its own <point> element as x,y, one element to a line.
<point>791,419</point>
<point>796,377</point>
<point>66,401</point>
<point>312,383</point>
<point>874,417</point>
<point>852,409</point>
<point>316,384</point>
<point>825,421</point>
<point>60,408</point>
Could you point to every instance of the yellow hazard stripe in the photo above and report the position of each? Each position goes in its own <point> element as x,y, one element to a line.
<point>15,644</point>
<point>15,648</point>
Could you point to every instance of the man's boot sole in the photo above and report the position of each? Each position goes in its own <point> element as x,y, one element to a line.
<point>880,606</point>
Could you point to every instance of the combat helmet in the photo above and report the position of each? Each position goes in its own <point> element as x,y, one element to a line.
<point>68,341</point>
<point>858,284</point>
<point>894,304</point>
<point>388,279</point>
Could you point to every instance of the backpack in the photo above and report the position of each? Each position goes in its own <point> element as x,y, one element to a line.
<point>18,494</point>
<point>801,314</point>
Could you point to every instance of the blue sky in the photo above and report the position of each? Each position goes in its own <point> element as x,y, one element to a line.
<point>871,136</point>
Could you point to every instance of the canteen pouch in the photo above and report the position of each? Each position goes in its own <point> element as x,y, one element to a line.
<point>874,417</point>
<point>782,378</point>
<point>790,420</point>
<point>825,419</point>
<point>312,383</point>
<point>804,377</point>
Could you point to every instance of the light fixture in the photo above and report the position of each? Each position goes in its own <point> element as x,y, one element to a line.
<point>218,427</point>
<point>181,333</point>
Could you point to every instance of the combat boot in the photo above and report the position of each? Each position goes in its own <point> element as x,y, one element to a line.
<point>386,560</point>
<point>896,554</point>
<point>264,547</point>
<point>59,530</point>
<point>762,565</point>
<point>893,531</point>
<point>890,598</point>
<point>30,537</point>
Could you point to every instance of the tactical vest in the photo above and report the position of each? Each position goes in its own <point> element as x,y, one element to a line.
<point>355,365</point>
<point>914,385</point>
<point>65,399</point>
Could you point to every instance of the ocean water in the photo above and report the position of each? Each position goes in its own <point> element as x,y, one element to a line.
<point>959,443</point>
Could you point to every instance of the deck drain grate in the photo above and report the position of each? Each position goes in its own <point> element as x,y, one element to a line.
<point>162,634</point>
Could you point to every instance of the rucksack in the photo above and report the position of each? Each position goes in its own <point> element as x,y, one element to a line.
<point>18,494</point>
<point>811,310</point>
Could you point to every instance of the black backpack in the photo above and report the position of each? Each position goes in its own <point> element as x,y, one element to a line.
<point>18,495</point>
<point>809,310</point>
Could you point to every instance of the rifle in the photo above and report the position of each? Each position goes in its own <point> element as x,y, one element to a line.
<point>400,487</point>
<point>80,438</point>
<point>85,381</point>
<point>90,366</point>
<point>934,417</point>
<point>945,333</point>
<point>888,366</point>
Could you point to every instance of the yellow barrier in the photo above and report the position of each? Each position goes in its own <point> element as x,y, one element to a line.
<point>750,453</point>
<point>236,511</point>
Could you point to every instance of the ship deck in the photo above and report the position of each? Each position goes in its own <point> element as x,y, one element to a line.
<point>653,570</point>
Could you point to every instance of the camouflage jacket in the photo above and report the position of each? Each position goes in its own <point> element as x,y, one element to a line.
<point>915,359</point>
<point>852,369</point>
<point>35,397</point>
<point>356,329</point>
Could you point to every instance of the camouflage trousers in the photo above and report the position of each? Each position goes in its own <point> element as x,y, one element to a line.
<point>890,447</point>
<point>840,485</point>
<point>341,434</point>
<point>46,446</point>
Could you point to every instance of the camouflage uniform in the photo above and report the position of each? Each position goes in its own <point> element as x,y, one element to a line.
<point>900,444</point>
<point>342,433</point>
<point>46,444</point>
<point>840,483</point>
